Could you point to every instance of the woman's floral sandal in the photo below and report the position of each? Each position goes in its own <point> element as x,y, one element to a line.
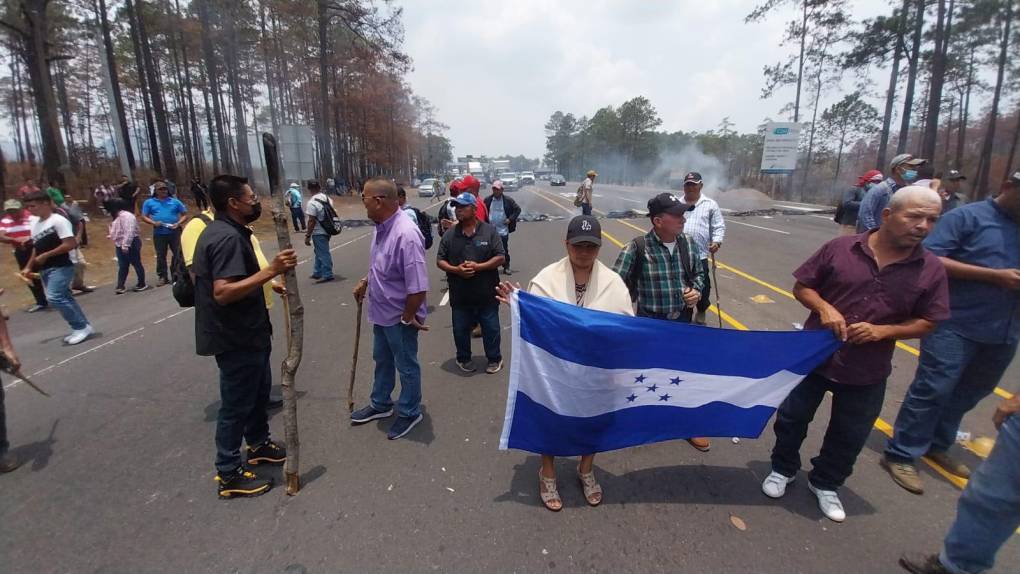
<point>592,489</point>
<point>549,494</point>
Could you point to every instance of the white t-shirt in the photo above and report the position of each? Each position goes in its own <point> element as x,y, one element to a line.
<point>48,234</point>
<point>671,246</point>
<point>316,210</point>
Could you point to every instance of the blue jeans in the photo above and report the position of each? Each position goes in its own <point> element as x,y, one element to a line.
<point>297,215</point>
<point>130,258</point>
<point>953,375</point>
<point>395,349</point>
<point>989,510</point>
<point>323,266</point>
<point>585,209</point>
<point>464,320</point>
<point>245,379</point>
<point>57,282</point>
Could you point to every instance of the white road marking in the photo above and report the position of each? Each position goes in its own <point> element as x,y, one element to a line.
<point>73,357</point>
<point>633,200</point>
<point>759,227</point>
<point>825,217</point>
<point>446,299</point>
<point>362,236</point>
<point>781,206</point>
<point>172,315</point>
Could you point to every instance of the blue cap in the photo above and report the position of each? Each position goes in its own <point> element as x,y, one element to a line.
<point>465,199</point>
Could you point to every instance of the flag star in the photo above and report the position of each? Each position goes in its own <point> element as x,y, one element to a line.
<point>664,397</point>
<point>675,381</point>
<point>631,398</point>
<point>652,388</point>
<point>639,379</point>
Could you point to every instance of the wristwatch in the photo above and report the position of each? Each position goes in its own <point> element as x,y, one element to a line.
<point>405,323</point>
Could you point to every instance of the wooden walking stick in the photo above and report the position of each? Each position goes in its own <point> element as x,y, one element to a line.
<point>354,360</point>
<point>295,322</point>
<point>715,281</point>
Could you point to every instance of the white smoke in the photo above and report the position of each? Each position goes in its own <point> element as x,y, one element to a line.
<point>674,165</point>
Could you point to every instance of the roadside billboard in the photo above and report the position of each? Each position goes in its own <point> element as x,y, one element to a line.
<point>782,142</point>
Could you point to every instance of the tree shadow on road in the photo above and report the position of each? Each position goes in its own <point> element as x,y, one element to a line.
<point>678,484</point>
<point>39,452</point>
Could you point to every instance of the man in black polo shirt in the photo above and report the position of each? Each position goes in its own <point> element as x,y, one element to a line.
<point>232,324</point>
<point>471,256</point>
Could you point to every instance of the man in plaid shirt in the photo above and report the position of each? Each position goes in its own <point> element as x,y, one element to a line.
<point>665,289</point>
<point>663,269</point>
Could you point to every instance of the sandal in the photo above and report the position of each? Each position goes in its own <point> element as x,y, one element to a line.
<point>547,491</point>
<point>592,489</point>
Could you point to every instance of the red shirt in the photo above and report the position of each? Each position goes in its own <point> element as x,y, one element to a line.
<point>481,214</point>
<point>15,229</point>
<point>846,275</point>
<point>26,189</point>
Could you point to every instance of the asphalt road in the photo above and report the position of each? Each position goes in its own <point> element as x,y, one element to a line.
<point>119,476</point>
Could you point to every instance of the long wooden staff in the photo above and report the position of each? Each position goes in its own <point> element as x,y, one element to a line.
<point>295,312</point>
<point>354,361</point>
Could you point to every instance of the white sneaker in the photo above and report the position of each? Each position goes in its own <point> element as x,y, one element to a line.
<point>775,484</point>
<point>828,502</point>
<point>79,335</point>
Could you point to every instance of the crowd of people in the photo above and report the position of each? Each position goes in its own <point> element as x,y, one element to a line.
<point>912,261</point>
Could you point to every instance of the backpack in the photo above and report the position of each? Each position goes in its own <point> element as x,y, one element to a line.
<point>183,287</point>
<point>424,225</point>
<point>330,221</point>
<point>639,263</point>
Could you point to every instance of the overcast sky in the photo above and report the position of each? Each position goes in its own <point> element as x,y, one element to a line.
<point>497,69</point>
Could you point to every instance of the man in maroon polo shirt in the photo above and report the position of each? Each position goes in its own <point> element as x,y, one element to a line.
<point>870,290</point>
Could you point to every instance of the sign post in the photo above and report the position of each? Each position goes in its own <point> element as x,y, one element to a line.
<point>782,143</point>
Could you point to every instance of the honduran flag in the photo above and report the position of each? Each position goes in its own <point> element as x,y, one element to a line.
<point>585,381</point>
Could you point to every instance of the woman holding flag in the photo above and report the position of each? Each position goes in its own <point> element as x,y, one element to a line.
<point>579,279</point>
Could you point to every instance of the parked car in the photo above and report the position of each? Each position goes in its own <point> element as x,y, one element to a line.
<point>527,178</point>
<point>510,180</point>
<point>557,179</point>
<point>428,188</point>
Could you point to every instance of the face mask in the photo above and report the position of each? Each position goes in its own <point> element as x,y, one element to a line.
<point>910,175</point>
<point>256,212</point>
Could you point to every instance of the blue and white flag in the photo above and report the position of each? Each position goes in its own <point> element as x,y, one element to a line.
<point>585,381</point>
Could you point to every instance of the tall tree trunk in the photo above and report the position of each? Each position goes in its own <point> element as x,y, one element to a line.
<point>35,53</point>
<point>150,122</point>
<point>65,112</point>
<point>16,113</point>
<point>213,83</point>
<point>180,101</point>
<point>915,63</point>
<point>949,132</point>
<point>268,69</point>
<point>322,123</point>
<point>233,81</point>
<point>800,60</point>
<point>158,104</point>
<point>981,187</point>
<point>1012,147</point>
<point>943,30</point>
<point>209,126</point>
<point>814,119</point>
<point>118,98</point>
<point>196,135</point>
<point>961,139</point>
<point>890,95</point>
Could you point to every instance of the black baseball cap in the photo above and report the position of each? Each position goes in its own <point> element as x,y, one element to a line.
<point>955,175</point>
<point>667,203</point>
<point>692,177</point>
<point>584,229</point>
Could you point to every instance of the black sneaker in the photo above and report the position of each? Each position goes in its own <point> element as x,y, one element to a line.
<point>8,463</point>
<point>467,366</point>
<point>274,403</point>
<point>402,426</point>
<point>367,414</point>
<point>241,482</point>
<point>923,564</point>
<point>268,452</point>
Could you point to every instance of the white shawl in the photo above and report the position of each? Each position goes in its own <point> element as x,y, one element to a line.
<point>606,290</point>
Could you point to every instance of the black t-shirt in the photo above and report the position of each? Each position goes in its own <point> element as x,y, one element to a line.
<point>456,248</point>
<point>127,191</point>
<point>224,251</point>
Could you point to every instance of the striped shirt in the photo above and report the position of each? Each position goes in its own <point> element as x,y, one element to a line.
<point>705,224</point>
<point>17,228</point>
<point>661,284</point>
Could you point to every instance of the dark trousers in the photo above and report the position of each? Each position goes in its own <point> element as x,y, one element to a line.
<point>464,320</point>
<point>245,379</point>
<point>162,243</point>
<point>506,250</point>
<point>585,209</point>
<point>854,410</point>
<point>132,257</point>
<point>201,200</point>
<point>706,299</point>
<point>36,287</point>
<point>297,216</point>
<point>4,445</point>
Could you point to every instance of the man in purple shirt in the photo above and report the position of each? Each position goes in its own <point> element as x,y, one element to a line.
<point>870,290</point>
<point>396,286</point>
